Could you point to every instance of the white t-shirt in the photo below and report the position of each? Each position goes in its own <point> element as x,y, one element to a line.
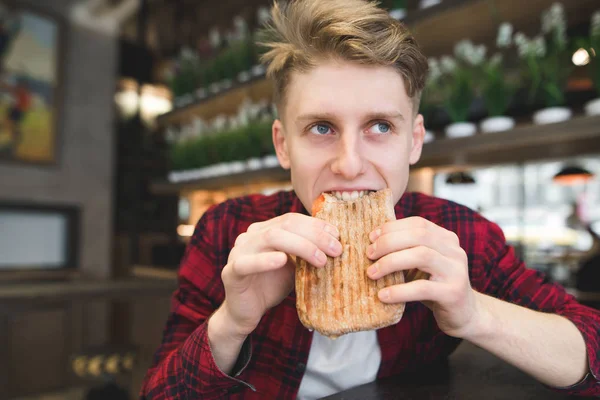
<point>335,365</point>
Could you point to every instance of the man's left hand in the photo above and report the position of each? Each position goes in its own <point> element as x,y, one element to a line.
<point>416,243</point>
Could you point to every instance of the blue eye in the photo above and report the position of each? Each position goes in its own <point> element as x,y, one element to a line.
<point>320,129</point>
<point>381,127</point>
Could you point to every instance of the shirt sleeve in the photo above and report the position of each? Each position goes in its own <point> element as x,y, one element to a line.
<point>183,366</point>
<point>508,279</point>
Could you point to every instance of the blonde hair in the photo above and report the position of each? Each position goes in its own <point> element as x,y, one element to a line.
<point>304,32</point>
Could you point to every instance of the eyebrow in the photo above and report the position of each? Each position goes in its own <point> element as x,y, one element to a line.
<point>330,116</point>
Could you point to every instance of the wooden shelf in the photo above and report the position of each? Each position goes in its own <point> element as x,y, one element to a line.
<point>148,271</point>
<point>226,102</point>
<point>271,174</point>
<point>80,290</point>
<point>578,136</point>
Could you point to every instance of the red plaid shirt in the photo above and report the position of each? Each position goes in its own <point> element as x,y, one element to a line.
<point>274,357</point>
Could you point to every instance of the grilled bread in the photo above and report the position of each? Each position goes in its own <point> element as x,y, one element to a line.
<point>340,298</point>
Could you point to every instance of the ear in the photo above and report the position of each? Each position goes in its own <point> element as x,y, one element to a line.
<point>280,143</point>
<point>418,135</point>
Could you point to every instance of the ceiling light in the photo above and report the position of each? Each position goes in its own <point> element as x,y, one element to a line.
<point>571,175</point>
<point>460,178</point>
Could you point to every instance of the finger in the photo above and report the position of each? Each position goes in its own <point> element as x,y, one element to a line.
<point>256,263</point>
<point>316,230</point>
<point>291,221</point>
<point>401,240</point>
<point>420,290</point>
<point>413,224</point>
<point>309,227</point>
<point>324,235</point>
<point>258,226</point>
<point>277,239</point>
<point>422,258</point>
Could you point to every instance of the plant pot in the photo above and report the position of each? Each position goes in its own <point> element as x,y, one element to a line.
<point>429,137</point>
<point>497,124</point>
<point>270,161</point>
<point>258,70</point>
<point>226,84</point>
<point>201,93</point>
<point>244,76</point>
<point>211,170</point>
<point>214,88</point>
<point>236,167</point>
<point>178,102</point>
<point>174,177</point>
<point>198,173</point>
<point>186,175</point>
<point>184,100</point>
<point>221,169</point>
<point>253,164</point>
<point>460,129</point>
<point>398,13</point>
<point>593,107</point>
<point>552,115</point>
<point>428,3</point>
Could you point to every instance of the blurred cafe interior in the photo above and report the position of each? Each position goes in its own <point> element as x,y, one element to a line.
<point>123,121</point>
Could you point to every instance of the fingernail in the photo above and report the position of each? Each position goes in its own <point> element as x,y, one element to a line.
<point>320,257</point>
<point>371,249</point>
<point>335,246</point>
<point>375,234</point>
<point>332,230</point>
<point>384,294</point>
<point>373,269</point>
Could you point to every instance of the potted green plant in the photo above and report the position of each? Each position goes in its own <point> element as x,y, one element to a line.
<point>428,3</point>
<point>430,96</point>
<point>497,94</point>
<point>547,65</point>
<point>398,9</point>
<point>593,107</point>
<point>497,89</point>
<point>213,75</point>
<point>226,64</point>
<point>241,57</point>
<point>457,86</point>
<point>238,144</point>
<point>254,132</point>
<point>258,38</point>
<point>185,77</point>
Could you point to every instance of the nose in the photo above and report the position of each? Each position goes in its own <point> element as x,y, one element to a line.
<point>348,161</point>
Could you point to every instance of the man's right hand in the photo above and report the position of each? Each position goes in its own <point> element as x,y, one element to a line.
<point>260,271</point>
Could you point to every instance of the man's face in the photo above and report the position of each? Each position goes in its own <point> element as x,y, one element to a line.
<point>347,127</point>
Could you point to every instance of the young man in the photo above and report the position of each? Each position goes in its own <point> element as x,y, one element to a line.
<point>348,79</point>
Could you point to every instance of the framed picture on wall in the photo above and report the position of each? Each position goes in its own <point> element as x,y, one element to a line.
<point>31,52</point>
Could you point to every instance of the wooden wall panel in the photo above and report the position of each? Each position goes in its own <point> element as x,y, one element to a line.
<point>148,321</point>
<point>4,356</point>
<point>37,351</point>
<point>96,323</point>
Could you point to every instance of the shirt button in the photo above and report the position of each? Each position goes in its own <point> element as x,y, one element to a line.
<point>300,367</point>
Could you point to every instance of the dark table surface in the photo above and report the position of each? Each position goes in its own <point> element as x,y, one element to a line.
<point>471,373</point>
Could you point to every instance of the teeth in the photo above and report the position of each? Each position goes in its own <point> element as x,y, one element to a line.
<point>349,196</point>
